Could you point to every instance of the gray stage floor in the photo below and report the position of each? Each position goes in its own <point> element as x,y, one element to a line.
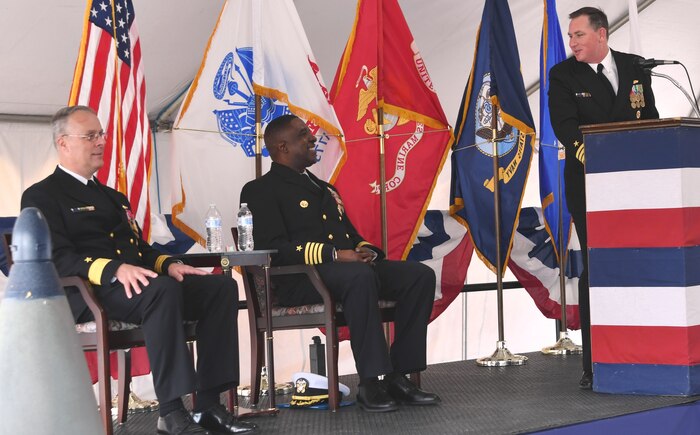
<point>540,395</point>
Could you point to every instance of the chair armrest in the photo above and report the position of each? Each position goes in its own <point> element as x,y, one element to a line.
<point>314,277</point>
<point>88,294</point>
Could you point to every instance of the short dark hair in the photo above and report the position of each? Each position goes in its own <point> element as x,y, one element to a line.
<point>596,17</point>
<point>274,128</point>
<point>60,118</point>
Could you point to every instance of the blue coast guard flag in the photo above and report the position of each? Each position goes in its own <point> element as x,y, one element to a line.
<point>495,83</point>
<point>551,160</point>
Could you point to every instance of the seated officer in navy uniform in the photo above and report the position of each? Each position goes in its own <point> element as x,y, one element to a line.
<point>303,218</point>
<point>95,236</point>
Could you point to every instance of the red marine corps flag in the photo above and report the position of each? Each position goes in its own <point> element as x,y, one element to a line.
<point>382,73</point>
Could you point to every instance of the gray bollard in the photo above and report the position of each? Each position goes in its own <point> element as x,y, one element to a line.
<point>44,379</point>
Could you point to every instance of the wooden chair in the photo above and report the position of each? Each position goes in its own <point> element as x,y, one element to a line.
<point>104,336</point>
<point>328,315</point>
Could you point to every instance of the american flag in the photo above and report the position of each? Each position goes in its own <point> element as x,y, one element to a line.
<point>109,78</point>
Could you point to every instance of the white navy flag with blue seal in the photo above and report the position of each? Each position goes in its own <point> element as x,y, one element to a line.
<point>256,48</point>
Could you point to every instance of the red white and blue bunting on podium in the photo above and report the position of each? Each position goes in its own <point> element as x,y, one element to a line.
<point>643,234</point>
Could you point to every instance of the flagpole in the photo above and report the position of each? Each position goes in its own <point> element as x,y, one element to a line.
<point>380,127</point>
<point>119,166</point>
<point>564,345</point>
<point>502,356</point>
<point>382,145</point>
<point>258,138</point>
<point>382,180</point>
<point>269,336</point>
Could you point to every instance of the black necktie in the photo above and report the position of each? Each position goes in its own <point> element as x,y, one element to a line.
<point>91,184</point>
<point>605,81</point>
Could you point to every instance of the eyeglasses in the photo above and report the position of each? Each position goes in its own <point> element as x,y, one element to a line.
<point>90,137</point>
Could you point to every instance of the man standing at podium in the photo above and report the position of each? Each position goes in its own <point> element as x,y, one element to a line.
<point>594,86</point>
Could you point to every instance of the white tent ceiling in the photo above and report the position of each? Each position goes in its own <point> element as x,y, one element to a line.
<point>40,42</point>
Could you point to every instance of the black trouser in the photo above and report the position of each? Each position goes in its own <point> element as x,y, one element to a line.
<point>584,304</point>
<point>161,308</point>
<point>358,287</point>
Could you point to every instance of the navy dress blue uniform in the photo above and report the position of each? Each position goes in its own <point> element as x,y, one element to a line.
<point>93,232</point>
<point>304,219</point>
<point>577,96</point>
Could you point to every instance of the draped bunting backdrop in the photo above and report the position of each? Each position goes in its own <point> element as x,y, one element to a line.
<point>257,48</point>
<point>535,265</point>
<point>442,244</point>
<point>495,84</point>
<point>382,69</point>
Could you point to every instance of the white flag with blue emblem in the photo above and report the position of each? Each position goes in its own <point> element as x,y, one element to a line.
<point>257,47</point>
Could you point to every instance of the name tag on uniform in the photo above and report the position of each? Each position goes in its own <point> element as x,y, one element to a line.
<point>85,209</point>
<point>583,94</point>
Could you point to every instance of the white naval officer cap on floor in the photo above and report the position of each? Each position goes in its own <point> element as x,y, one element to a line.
<point>311,389</point>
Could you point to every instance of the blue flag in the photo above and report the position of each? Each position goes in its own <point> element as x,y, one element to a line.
<point>551,159</point>
<point>495,85</point>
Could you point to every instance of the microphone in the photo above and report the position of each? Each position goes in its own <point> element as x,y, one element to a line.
<point>651,63</point>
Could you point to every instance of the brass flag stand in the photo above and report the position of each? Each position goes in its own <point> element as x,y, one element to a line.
<point>268,368</point>
<point>563,346</point>
<point>502,356</point>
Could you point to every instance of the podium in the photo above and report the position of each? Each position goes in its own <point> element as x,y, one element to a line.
<point>643,218</point>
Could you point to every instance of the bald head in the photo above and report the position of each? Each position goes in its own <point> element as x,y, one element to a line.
<point>290,142</point>
<point>275,133</point>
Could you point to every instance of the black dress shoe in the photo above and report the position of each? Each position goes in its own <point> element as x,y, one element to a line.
<point>372,397</point>
<point>586,382</point>
<point>219,421</point>
<point>179,422</point>
<point>407,393</point>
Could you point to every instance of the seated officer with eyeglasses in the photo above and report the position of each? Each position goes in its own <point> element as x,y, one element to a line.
<point>94,235</point>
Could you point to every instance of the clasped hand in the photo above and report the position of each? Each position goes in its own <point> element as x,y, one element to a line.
<point>361,254</point>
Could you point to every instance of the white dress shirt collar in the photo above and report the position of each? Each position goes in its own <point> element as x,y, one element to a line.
<point>609,69</point>
<point>74,175</point>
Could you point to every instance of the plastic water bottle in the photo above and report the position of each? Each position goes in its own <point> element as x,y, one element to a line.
<point>245,228</point>
<point>213,225</point>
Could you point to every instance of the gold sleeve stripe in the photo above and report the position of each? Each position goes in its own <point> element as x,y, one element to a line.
<point>363,243</point>
<point>159,263</point>
<point>313,253</point>
<point>96,269</point>
<point>317,254</point>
